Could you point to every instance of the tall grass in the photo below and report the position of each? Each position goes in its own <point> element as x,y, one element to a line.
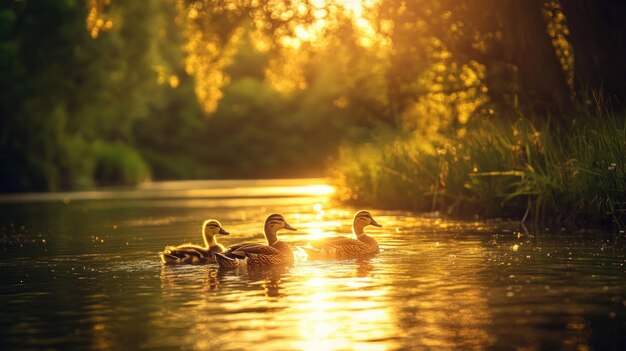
<point>496,170</point>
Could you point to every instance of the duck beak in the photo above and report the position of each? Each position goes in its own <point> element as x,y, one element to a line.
<point>288,227</point>
<point>375,224</point>
<point>223,232</point>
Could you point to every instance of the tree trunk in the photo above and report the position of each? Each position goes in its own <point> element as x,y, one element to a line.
<point>598,35</point>
<point>542,84</point>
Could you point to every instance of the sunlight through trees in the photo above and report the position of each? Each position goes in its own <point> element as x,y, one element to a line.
<point>111,92</point>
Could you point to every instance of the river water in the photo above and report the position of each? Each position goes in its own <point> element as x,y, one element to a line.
<point>81,271</point>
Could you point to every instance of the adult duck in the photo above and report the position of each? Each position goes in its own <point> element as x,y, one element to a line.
<point>197,254</point>
<point>274,253</point>
<point>340,247</point>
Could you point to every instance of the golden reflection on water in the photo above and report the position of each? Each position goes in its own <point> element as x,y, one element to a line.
<point>207,189</point>
<point>343,314</point>
<point>101,324</point>
<point>416,290</point>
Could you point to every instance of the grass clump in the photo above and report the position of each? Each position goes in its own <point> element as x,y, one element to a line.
<point>495,170</point>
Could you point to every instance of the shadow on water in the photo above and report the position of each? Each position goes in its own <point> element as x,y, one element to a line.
<point>85,274</point>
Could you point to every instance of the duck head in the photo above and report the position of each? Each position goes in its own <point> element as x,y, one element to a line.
<point>273,224</point>
<point>211,228</point>
<point>361,220</point>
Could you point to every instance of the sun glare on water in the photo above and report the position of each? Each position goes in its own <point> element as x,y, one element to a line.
<point>327,326</point>
<point>319,190</point>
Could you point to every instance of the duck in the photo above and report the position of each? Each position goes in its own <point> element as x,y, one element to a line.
<point>340,247</point>
<point>196,254</point>
<point>275,253</point>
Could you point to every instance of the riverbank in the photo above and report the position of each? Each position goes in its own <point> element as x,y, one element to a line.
<point>496,169</point>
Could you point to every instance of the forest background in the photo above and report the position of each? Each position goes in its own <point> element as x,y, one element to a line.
<point>492,108</point>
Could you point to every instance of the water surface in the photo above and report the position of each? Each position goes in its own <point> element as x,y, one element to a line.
<point>81,271</point>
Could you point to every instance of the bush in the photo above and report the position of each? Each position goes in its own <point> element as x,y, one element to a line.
<point>118,164</point>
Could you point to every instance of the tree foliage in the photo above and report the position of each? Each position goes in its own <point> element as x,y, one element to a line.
<point>109,92</point>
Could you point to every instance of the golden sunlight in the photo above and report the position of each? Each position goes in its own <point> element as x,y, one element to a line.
<point>299,32</point>
<point>328,15</point>
<point>97,19</point>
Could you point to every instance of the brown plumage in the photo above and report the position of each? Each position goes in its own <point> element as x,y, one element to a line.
<point>273,254</point>
<point>340,247</point>
<point>196,254</point>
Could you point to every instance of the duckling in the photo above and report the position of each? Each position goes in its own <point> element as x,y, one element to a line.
<point>195,254</point>
<point>340,247</point>
<point>275,253</point>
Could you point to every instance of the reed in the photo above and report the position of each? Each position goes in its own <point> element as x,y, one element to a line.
<point>496,170</point>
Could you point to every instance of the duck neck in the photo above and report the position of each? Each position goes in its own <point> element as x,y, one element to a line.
<point>358,230</point>
<point>209,240</point>
<point>270,235</point>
